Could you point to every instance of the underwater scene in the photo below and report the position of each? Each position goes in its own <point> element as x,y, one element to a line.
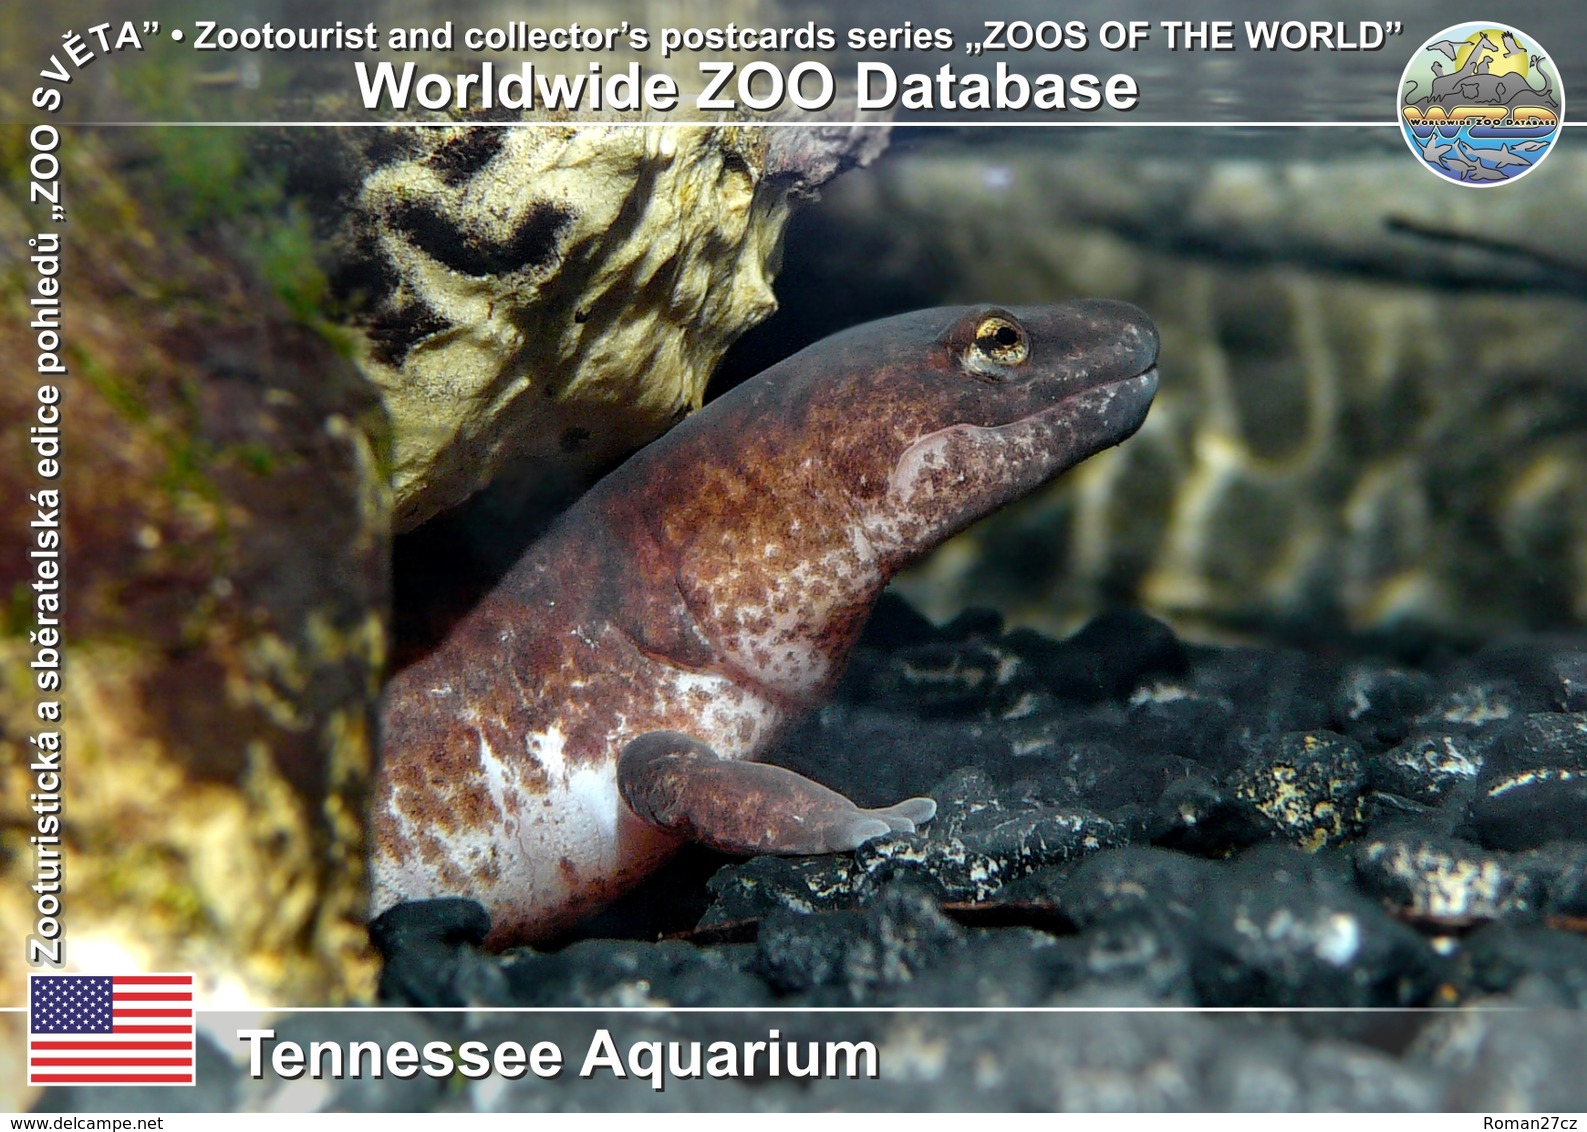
<point>1098,614</point>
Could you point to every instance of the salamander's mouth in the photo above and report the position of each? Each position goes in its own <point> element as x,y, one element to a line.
<point>1087,420</point>
<point>1115,409</point>
<point>1142,384</point>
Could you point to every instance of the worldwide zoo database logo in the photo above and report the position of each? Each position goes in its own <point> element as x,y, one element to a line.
<point>1480,103</point>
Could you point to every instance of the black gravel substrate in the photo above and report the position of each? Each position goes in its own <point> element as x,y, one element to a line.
<point>1126,821</point>
<point>1129,819</point>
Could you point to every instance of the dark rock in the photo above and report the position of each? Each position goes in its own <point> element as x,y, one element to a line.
<point>1271,689</point>
<point>1442,878</point>
<point>1105,660</point>
<point>429,950</point>
<point>1481,704</point>
<point>895,624</point>
<point>1374,705</point>
<point>763,885</point>
<point>1047,793</point>
<point>982,838</point>
<point>1197,815</point>
<point>1273,926</point>
<point>944,678</point>
<point>1533,786</point>
<point>1132,905</point>
<point>877,756</point>
<point>1523,1055</point>
<point>628,973</point>
<point>1567,678</point>
<point>1430,767</point>
<point>846,957</point>
<point>1547,739</point>
<point>1545,667</point>
<point>422,923</point>
<point>1095,759</point>
<point>1499,958</point>
<point>1112,1061</point>
<point>1280,927</point>
<point>1138,954</point>
<point>1530,808</point>
<point>1169,718</point>
<point>973,624</point>
<point>1561,869</point>
<point>1307,785</point>
<point>1122,883</point>
<point>1381,811</point>
<point>1265,1069</point>
<point>1007,967</point>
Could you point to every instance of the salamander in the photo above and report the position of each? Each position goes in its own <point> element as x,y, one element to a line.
<point>606,701</point>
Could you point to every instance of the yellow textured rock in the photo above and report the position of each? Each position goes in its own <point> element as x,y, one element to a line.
<point>223,517</point>
<point>227,879</point>
<point>543,294</point>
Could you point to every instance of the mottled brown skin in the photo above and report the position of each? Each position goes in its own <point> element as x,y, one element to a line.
<point>712,587</point>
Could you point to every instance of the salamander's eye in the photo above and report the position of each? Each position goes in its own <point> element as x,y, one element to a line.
<point>999,343</point>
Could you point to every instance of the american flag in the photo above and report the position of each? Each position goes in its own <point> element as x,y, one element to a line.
<point>110,1029</point>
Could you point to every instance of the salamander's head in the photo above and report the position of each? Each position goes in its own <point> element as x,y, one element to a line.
<point>780,511</point>
<point>991,403</point>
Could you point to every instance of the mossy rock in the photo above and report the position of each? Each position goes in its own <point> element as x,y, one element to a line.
<point>225,529</point>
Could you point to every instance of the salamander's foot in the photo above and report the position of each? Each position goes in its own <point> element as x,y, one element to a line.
<point>683,786</point>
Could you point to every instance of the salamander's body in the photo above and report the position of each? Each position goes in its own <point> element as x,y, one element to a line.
<point>602,703</point>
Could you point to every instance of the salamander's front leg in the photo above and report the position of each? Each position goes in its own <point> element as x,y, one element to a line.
<point>683,786</point>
